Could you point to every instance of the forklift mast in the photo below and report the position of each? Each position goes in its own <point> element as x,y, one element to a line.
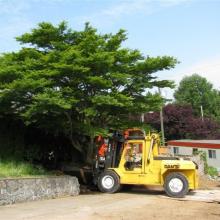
<point>115,144</point>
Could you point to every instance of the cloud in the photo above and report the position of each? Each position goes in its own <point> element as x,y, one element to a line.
<point>13,7</point>
<point>125,8</point>
<point>209,68</point>
<point>128,8</point>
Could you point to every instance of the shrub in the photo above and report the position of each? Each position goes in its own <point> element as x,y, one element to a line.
<point>212,171</point>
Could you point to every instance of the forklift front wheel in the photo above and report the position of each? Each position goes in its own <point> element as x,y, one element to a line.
<point>176,185</point>
<point>108,182</point>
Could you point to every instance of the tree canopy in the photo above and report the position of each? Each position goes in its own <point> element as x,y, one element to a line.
<point>181,123</point>
<point>78,82</point>
<point>197,91</point>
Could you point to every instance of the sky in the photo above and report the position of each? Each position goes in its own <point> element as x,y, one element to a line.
<point>186,29</point>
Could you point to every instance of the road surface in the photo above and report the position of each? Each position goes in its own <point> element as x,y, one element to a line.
<point>127,205</point>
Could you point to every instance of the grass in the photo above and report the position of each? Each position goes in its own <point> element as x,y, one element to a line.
<point>20,169</point>
<point>212,171</point>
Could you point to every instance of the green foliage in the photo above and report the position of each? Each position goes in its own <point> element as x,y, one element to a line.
<point>180,123</point>
<point>197,91</point>
<point>16,169</point>
<point>203,157</point>
<point>66,81</point>
<point>212,171</point>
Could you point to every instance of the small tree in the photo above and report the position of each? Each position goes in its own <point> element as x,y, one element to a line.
<point>180,123</point>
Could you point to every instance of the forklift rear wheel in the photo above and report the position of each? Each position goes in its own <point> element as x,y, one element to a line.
<point>109,182</point>
<point>176,185</point>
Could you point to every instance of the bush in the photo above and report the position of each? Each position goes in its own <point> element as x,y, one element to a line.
<point>212,171</point>
<point>16,169</point>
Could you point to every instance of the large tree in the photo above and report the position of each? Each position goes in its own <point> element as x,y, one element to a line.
<point>78,82</point>
<point>197,91</point>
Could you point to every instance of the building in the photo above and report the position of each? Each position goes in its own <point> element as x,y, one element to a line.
<point>188,147</point>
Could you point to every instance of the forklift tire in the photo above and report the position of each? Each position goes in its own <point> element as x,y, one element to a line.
<point>109,182</point>
<point>176,185</point>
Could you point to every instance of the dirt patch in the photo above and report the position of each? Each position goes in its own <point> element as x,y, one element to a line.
<point>206,183</point>
<point>163,209</point>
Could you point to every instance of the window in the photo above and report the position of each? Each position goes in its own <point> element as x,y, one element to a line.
<point>212,154</point>
<point>133,155</point>
<point>176,150</point>
<point>134,152</point>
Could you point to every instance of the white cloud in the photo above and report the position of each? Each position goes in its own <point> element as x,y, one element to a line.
<point>13,7</point>
<point>209,68</point>
<point>108,16</point>
<point>125,8</point>
<point>128,8</point>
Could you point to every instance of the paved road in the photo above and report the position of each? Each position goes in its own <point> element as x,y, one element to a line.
<point>126,205</point>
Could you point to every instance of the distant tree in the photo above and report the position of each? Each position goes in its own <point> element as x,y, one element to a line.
<point>181,123</point>
<point>197,91</point>
<point>78,82</point>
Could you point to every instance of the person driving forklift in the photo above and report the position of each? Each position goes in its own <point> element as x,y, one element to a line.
<point>133,156</point>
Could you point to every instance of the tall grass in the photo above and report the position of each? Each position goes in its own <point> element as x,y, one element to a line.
<point>18,169</point>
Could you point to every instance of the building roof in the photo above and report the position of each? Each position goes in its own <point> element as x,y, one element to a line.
<point>214,144</point>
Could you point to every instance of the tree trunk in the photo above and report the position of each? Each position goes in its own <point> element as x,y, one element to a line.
<point>90,149</point>
<point>75,143</point>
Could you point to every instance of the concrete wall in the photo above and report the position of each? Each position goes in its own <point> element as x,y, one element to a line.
<point>188,151</point>
<point>215,162</point>
<point>29,189</point>
<point>200,163</point>
<point>182,151</point>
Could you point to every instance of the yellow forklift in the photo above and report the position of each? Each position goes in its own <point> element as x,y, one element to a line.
<point>133,158</point>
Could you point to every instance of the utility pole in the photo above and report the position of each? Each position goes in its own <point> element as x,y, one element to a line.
<point>201,108</point>
<point>142,118</point>
<point>161,123</point>
<point>201,95</point>
<point>161,126</point>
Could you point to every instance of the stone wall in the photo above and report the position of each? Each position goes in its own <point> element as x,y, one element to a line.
<point>29,189</point>
<point>197,159</point>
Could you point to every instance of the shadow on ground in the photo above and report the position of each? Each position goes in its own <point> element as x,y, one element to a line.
<point>131,189</point>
